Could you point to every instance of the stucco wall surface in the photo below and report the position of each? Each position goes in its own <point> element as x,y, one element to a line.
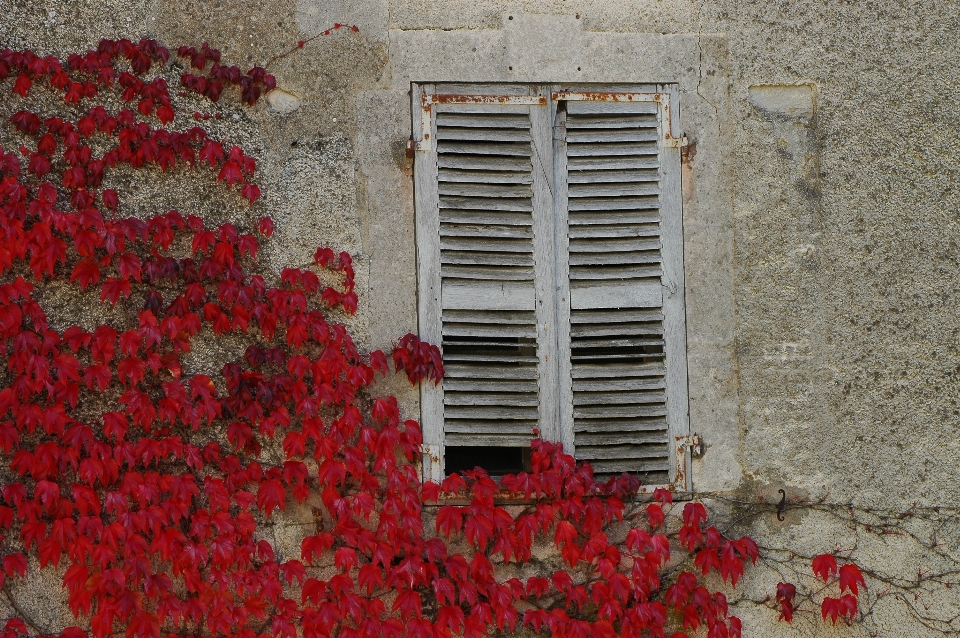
<point>820,219</point>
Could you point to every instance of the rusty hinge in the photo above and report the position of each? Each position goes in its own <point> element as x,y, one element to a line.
<point>693,442</point>
<point>675,142</point>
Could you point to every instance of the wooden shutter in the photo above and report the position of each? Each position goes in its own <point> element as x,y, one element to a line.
<point>480,214</point>
<point>623,349</point>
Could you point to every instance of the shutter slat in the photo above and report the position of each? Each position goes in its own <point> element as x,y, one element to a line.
<point>493,245</point>
<point>612,163</point>
<point>489,120</point>
<point>466,216</point>
<point>474,271</point>
<point>617,109</point>
<point>625,438</point>
<point>482,134</point>
<point>493,440</point>
<point>485,148</point>
<point>604,150</point>
<point>588,176</point>
<point>486,259</point>
<point>600,122</point>
<point>496,165</point>
<point>586,398</point>
<point>488,230</point>
<point>489,177</point>
<point>650,216</point>
<point>621,425</point>
<point>600,259</point>
<point>459,371</point>
<point>489,385</point>
<point>465,189</point>
<point>490,412</point>
<point>625,271</point>
<point>607,231</point>
<point>612,136</point>
<point>612,203</point>
<point>612,189</point>
<point>515,204</point>
<point>494,399</point>
<point>607,244</point>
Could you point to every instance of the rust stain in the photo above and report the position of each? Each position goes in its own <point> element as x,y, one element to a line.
<point>600,96</point>
<point>446,98</point>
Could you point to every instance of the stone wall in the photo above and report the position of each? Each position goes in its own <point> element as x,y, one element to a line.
<point>820,212</point>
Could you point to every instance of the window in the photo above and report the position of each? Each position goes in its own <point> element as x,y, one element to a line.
<point>550,258</point>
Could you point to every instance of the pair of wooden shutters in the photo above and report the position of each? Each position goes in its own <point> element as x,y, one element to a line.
<point>551,273</point>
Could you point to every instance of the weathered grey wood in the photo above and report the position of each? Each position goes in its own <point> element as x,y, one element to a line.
<point>486,164</point>
<point>565,419</point>
<point>657,470</point>
<point>618,384</point>
<point>593,295</point>
<point>617,189</point>
<point>488,295</point>
<point>604,150</point>
<point>611,330</point>
<point>494,440</point>
<point>589,371</point>
<point>486,176</point>
<point>612,244</point>
<point>622,438</point>
<point>614,316</point>
<point>428,282</point>
<point>490,204</point>
<point>488,359</point>
<point>512,374</point>
<point>483,134</point>
<point>490,412</point>
<point>576,107</point>
<point>488,120</point>
<point>600,259</point>
<point>496,399</point>
<point>479,259</point>
<point>496,110</point>
<point>493,318</point>
<point>616,398</point>
<point>613,203</point>
<point>475,189</point>
<point>597,231</point>
<point>605,121</point>
<point>650,216</point>
<point>485,148</point>
<point>486,230</point>
<point>498,245</point>
<point>467,216</point>
<point>629,271</point>
<point>587,163</point>
<point>618,452</point>
<point>545,256</point>
<point>489,385</point>
<point>599,176</point>
<point>622,425</point>
<point>675,333</point>
<point>612,135</point>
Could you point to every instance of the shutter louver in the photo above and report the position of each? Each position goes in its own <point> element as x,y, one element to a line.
<point>616,347</point>
<point>488,311</point>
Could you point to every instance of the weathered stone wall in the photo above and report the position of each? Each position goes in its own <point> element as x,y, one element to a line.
<point>819,210</point>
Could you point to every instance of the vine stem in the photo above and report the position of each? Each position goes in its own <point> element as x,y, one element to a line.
<point>22,614</point>
<point>300,44</point>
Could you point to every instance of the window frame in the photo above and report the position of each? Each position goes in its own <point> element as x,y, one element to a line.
<point>554,396</point>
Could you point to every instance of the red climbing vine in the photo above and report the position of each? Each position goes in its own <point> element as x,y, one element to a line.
<point>148,487</point>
